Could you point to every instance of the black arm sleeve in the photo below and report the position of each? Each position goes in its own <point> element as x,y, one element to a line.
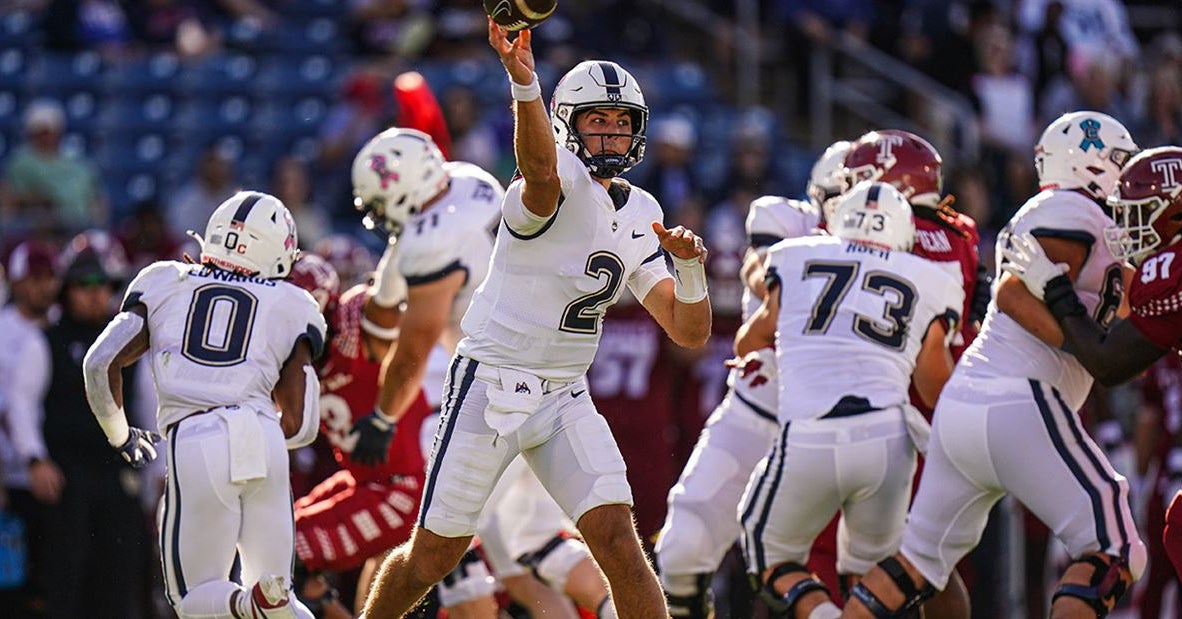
<point>1111,357</point>
<point>982,292</point>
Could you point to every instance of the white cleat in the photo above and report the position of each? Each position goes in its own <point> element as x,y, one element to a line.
<point>270,598</point>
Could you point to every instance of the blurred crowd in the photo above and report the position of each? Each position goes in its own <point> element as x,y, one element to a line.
<point>1020,63</point>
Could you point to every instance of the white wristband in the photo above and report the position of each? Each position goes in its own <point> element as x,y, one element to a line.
<point>689,281</point>
<point>528,92</point>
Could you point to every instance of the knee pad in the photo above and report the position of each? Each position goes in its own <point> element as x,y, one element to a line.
<point>697,605</point>
<point>783,606</point>
<point>913,597</point>
<point>470,580</point>
<point>1110,579</point>
<point>553,562</point>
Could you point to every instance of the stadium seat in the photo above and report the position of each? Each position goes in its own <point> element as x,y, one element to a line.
<point>10,112</point>
<point>18,29</point>
<point>222,74</point>
<point>14,69</point>
<point>155,73</point>
<point>229,114</point>
<point>61,74</point>
<point>149,112</point>
<point>284,76</point>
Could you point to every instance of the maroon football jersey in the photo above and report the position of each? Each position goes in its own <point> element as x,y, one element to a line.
<point>349,391</point>
<point>1155,298</point>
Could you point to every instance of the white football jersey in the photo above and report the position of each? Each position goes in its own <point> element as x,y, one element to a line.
<point>1004,348</point>
<point>852,321</point>
<point>770,220</point>
<point>455,234</point>
<point>541,308</point>
<point>217,338</point>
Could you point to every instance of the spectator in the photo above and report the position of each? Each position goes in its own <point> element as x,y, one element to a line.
<point>955,59</point>
<point>1090,24</point>
<point>1050,49</point>
<point>670,176</point>
<point>1162,124</point>
<point>398,28</point>
<point>1091,84</point>
<point>212,183</point>
<point>43,186</point>
<point>171,25</point>
<point>290,183</point>
<point>34,288</point>
<point>100,25</point>
<point>146,238</point>
<point>473,137</point>
<point>363,109</point>
<point>94,525</point>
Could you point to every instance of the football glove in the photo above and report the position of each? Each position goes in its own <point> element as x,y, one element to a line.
<point>140,447</point>
<point>374,433</point>
<point>1025,259</point>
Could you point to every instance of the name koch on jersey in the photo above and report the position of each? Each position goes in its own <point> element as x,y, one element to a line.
<point>210,343</point>
<point>541,307</point>
<point>349,382</point>
<point>852,321</point>
<point>455,234</point>
<point>1005,348</point>
<point>1155,298</point>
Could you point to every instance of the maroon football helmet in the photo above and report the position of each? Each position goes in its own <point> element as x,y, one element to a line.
<point>316,275</point>
<point>899,158</point>
<point>352,261</point>
<point>1147,204</point>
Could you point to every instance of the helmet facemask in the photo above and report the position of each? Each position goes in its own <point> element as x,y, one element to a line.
<point>586,145</point>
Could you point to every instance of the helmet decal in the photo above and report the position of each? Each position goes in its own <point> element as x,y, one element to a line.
<point>377,163</point>
<point>611,81</point>
<point>1170,170</point>
<point>1091,131</point>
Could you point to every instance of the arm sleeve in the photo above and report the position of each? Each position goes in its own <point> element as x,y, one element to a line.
<point>30,382</point>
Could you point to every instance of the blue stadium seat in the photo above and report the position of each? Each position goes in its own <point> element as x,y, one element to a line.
<point>148,112</point>
<point>155,73</point>
<point>682,82</point>
<point>319,35</point>
<point>285,120</point>
<point>14,69</point>
<point>10,112</point>
<point>61,74</point>
<point>229,114</point>
<point>124,190</point>
<point>316,8</point>
<point>18,28</point>
<point>221,74</point>
<point>293,77</point>
<point>132,153</point>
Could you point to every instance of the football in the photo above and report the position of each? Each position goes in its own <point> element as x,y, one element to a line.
<point>519,14</point>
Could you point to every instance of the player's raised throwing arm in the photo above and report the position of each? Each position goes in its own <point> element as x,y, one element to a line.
<point>533,137</point>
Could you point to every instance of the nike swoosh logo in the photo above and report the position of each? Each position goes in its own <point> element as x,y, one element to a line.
<point>575,394</point>
<point>502,7</point>
<point>637,236</point>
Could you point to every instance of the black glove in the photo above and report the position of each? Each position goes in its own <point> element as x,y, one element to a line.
<point>1060,297</point>
<point>139,448</point>
<point>374,433</point>
<point>982,293</point>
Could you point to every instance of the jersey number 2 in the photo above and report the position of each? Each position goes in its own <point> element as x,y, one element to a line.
<point>584,313</point>
<point>220,322</point>
<point>840,275</point>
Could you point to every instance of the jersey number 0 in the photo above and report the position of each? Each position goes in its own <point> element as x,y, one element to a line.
<point>220,322</point>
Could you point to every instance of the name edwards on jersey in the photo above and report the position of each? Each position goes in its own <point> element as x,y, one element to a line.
<point>222,275</point>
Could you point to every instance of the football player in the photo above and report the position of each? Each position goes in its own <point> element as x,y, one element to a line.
<point>1011,405</point>
<point>1147,206</point>
<point>701,525</point>
<point>572,234</point>
<point>443,215</point>
<point>848,437</point>
<point>229,340</point>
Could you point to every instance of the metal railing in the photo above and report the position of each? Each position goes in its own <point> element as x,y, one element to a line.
<point>945,117</point>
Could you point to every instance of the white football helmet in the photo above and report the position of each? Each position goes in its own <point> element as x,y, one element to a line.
<point>875,214</point>
<point>394,175</point>
<point>251,233</point>
<point>598,84</point>
<point>1083,150</point>
<point>827,178</point>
